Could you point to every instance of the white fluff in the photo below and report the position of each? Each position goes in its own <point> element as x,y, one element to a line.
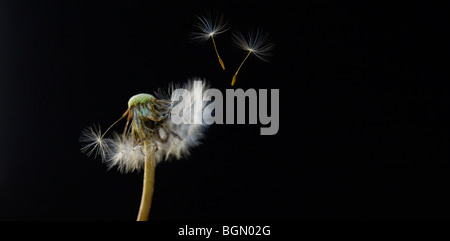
<point>256,42</point>
<point>95,143</point>
<point>187,135</point>
<point>209,26</point>
<point>125,154</point>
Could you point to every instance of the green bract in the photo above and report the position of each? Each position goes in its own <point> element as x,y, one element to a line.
<point>141,99</point>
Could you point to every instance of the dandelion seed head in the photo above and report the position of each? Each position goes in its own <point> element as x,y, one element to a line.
<point>256,41</point>
<point>150,122</point>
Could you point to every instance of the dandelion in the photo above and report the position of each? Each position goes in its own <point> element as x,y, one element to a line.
<point>210,27</point>
<point>257,43</point>
<point>149,136</point>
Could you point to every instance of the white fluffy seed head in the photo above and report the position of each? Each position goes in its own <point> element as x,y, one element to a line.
<point>209,26</point>
<point>128,154</point>
<point>256,41</point>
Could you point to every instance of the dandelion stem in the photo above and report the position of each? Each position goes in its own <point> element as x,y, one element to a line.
<point>149,181</point>
<point>217,52</point>
<point>234,76</point>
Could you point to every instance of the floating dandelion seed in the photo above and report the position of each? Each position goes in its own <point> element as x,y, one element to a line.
<point>149,136</point>
<point>256,42</point>
<point>94,142</point>
<point>209,27</point>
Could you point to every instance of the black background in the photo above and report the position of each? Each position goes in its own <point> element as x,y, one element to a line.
<point>364,113</point>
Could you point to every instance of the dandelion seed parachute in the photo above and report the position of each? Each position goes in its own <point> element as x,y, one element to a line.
<point>256,42</point>
<point>95,143</point>
<point>209,27</point>
<point>148,121</point>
